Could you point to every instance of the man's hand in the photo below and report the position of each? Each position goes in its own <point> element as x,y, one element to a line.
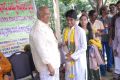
<point>68,55</point>
<point>69,58</point>
<point>61,44</point>
<point>51,69</point>
<point>115,53</point>
<point>110,42</point>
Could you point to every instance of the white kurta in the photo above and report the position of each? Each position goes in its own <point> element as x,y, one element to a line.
<point>44,49</point>
<point>80,67</point>
<point>116,45</point>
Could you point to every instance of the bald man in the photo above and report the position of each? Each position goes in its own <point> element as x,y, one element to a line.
<point>44,47</point>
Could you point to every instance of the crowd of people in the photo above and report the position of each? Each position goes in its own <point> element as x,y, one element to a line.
<point>82,53</point>
<point>85,46</point>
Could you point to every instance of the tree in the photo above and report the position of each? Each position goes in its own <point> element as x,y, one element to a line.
<point>113,1</point>
<point>65,5</point>
<point>48,3</point>
<point>57,20</point>
<point>83,6</point>
<point>96,4</point>
<point>66,2</point>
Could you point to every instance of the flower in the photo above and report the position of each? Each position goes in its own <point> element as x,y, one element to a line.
<point>65,34</point>
<point>72,63</point>
<point>96,42</point>
<point>72,76</point>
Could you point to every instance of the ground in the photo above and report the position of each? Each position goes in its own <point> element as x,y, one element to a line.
<point>108,77</point>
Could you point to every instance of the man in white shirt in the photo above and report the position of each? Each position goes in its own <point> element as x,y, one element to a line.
<point>116,42</point>
<point>44,47</point>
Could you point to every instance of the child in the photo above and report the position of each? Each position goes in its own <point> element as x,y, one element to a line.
<point>95,58</point>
